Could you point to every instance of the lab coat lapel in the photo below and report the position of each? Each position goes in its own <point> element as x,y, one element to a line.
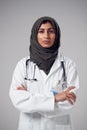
<point>56,64</point>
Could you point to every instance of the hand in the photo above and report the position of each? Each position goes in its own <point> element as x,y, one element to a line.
<point>21,88</point>
<point>66,95</point>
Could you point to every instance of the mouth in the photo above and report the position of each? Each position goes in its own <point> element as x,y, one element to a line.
<point>46,41</point>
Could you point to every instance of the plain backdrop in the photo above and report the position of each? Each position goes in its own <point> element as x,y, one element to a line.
<point>16,20</point>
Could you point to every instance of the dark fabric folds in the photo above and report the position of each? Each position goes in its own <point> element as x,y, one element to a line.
<point>44,57</point>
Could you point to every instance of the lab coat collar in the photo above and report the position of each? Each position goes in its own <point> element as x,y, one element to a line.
<point>57,63</point>
<point>55,66</point>
<point>58,60</point>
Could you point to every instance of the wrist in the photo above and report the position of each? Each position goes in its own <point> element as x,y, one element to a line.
<point>56,98</point>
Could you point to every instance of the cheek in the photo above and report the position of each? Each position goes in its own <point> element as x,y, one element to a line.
<point>39,38</point>
<point>53,38</point>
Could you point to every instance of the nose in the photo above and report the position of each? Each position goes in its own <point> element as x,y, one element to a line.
<point>46,34</point>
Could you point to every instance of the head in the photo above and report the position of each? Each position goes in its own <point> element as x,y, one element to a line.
<point>46,33</point>
<point>44,43</point>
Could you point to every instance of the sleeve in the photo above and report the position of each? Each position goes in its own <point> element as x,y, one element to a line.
<point>72,80</point>
<point>23,100</point>
<point>64,107</point>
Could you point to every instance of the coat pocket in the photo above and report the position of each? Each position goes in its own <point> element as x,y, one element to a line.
<point>63,127</point>
<point>25,126</point>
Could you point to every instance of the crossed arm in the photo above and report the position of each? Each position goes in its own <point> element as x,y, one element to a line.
<point>65,95</point>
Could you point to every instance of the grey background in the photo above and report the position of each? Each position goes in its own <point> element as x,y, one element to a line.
<point>16,20</point>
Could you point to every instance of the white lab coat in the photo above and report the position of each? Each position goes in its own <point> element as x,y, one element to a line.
<point>38,110</point>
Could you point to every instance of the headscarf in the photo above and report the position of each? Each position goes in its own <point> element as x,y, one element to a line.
<point>44,57</point>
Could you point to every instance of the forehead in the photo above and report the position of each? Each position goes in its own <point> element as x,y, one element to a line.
<point>46,25</point>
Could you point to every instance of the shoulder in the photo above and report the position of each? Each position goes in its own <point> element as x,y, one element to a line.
<point>23,60</point>
<point>67,61</point>
<point>22,63</point>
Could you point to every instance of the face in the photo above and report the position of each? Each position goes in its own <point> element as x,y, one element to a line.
<point>46,35</point>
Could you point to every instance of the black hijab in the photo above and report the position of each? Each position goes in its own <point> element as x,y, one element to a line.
<point>44,57</point>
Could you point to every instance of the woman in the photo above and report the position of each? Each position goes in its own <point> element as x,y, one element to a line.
<point>44,84</point>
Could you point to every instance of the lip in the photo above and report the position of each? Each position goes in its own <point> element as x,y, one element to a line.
<point>46,41</point>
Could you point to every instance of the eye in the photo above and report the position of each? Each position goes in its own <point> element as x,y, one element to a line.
<point>52,31</point>
<point>40,31</point>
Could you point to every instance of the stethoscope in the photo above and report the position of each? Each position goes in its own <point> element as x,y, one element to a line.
<point>64,79</point>
<point>64,82</point>
<point>26,77</point>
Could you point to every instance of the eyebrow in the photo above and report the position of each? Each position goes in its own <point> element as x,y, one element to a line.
<point>44,28</point>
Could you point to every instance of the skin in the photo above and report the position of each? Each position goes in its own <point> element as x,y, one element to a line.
<point>46,35</point>
<point>46,38</point>
<point>65,95</point>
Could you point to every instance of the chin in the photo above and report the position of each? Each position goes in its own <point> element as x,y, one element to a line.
<point>46,46</point>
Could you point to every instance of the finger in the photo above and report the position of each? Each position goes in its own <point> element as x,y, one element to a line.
<point>18,88</point>
<point>70,88</point>
<point>21,88</point>
<point>70,101</point>
<point>72,96</point>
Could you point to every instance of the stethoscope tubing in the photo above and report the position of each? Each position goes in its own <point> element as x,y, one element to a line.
<point>34,79</point>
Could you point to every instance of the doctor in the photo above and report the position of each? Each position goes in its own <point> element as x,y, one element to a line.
<point>44,84</point>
